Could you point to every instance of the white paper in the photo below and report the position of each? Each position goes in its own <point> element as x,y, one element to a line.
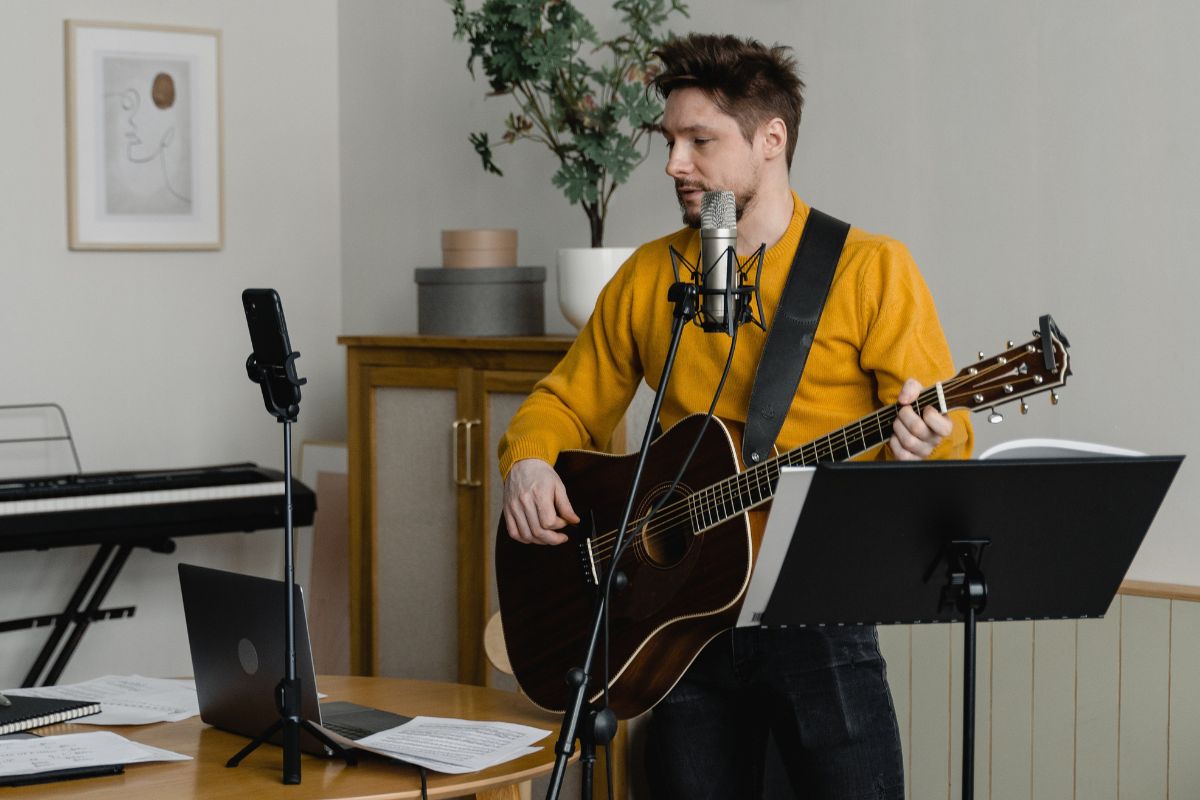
<point>453,745</point>
<point>74,750</point>
<point>126,699</point>
<point>1053,448</point>
<point>790,492</point>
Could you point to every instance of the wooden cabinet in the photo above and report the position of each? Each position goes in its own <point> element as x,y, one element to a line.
<point>424,416</point>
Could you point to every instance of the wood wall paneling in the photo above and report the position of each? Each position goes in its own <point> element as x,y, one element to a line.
<point>1183,730</point>
<point>1145,670</point>
<point>1012,710</point>
<point>930,711</point>
<point>1053,709</point>
<point>1097,704</point>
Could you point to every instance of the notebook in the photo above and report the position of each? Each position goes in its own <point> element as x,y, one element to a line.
<point>34,712</point>
<point>236,636</point>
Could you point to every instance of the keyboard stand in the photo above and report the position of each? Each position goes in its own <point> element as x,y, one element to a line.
<point>96,581</point>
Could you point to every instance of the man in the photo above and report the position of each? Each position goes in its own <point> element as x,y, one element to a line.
<point>730,121</point>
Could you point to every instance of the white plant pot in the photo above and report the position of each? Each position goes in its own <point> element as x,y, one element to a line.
<point>582,273</point>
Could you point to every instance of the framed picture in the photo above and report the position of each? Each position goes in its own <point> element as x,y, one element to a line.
<point>144,161</point>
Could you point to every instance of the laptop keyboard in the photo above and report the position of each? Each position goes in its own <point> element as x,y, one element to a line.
<point>349,731</point>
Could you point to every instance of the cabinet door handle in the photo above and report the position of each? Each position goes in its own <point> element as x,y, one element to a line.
<point>454,449</point>
<point>469,424</point>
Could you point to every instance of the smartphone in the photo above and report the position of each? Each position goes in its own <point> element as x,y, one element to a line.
<point>272,364</point>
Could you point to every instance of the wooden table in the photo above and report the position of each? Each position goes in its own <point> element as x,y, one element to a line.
<point>259,775</point>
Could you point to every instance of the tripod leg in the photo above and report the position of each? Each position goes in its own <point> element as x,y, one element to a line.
<point>248,749</point>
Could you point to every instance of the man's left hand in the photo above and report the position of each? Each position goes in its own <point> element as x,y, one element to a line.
<point>914,437</point>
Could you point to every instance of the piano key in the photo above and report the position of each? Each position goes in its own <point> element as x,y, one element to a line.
<point>146,498</point>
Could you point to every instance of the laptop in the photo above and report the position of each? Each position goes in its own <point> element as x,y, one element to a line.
<point>236,633</point>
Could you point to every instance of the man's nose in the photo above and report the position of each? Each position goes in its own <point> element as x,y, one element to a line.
<point>678,165</point>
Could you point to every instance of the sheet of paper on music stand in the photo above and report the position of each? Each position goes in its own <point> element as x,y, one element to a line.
<point>1053,448</point>
<point>790,493</point>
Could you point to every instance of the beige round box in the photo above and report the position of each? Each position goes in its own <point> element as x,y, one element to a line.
<point>479,247</point>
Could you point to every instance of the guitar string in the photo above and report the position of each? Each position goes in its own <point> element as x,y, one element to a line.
<point>723,491</point>
<point>729,489</point>
<point>735,493</point>
<point>739,486</point>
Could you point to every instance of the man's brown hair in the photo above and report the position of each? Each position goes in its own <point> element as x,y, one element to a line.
<point>746,79</point>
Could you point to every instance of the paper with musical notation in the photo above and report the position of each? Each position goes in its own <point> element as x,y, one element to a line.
<point>75,750</point>
<point>126,699</point>
<point>451,745</point>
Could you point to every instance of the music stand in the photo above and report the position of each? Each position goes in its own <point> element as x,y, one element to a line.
<point>958,541</point>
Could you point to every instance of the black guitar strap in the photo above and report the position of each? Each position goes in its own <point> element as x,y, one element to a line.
<point>792,331</point>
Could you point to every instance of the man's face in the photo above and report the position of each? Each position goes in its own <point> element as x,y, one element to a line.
<point>707,153</point>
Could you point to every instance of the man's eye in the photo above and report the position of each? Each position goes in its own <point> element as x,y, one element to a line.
<point>701,142</point>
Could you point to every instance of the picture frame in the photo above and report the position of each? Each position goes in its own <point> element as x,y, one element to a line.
<point>144,137</point>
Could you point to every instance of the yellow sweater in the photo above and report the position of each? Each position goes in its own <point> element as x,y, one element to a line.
<point>879,327</point>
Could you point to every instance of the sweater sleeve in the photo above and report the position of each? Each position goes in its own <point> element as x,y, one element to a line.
<point>902,338</point>
<point>579,404</point>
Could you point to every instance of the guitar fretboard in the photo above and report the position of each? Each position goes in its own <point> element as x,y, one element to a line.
<point>739,493</point>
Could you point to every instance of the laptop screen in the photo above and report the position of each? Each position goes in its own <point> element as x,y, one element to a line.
<point>236,633</point>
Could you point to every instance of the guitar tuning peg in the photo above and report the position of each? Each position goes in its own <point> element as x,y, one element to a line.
<point>981,355</point>
<point>1009,344</point>
<point>1024,408</point>
<point>1053,398</point>
<point>995,417</point>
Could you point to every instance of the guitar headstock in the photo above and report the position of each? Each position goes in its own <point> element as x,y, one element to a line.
<point>1039,365</point>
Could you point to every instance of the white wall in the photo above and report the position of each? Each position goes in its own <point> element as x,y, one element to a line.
<point>146,350</point>
<point>1036,157</point>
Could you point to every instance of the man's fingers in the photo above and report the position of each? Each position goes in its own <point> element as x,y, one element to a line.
<point>939,423</point>
<point>535,503</point>
<point>517,529</point>
<point>909,392</point>
<point>905,444</point>
<point>564,505</point>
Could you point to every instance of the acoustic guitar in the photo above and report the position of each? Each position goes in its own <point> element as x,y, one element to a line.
<point>688,566</point>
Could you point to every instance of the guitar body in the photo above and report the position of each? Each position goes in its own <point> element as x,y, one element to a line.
<point>683,588</point>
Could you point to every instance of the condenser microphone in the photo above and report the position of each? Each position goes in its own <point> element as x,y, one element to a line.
<point>719,276</point>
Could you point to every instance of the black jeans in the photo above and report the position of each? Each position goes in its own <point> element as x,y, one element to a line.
<point>822,693</point>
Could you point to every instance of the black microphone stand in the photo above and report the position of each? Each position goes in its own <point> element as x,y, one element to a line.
<point>602,722</point>
<point>287,692</point>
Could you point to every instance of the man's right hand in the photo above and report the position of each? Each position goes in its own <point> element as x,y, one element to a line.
<point>535,503</point>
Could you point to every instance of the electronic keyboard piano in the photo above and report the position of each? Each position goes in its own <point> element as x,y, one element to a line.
<point>123,510</point>
<point>145,507</point>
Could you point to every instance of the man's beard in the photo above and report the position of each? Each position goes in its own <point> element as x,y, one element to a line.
<point>692,220</point>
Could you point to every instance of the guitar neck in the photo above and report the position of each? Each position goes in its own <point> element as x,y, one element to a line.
<point>1037,366</point>
<point>746,490</point>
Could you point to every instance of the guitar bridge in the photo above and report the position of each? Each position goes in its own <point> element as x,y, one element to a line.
<point>587,557</point>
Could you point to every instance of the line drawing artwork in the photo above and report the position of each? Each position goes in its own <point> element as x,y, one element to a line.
<point>148,142</point>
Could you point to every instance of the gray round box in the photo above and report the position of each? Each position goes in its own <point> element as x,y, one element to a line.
<point>490,301</point>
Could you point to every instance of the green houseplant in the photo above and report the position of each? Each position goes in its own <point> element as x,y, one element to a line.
<point>584,98</point>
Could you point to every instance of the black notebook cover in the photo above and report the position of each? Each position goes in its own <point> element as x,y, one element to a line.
<point>34,712</point>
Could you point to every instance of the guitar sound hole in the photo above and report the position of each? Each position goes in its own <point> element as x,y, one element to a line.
<point>666,546</point>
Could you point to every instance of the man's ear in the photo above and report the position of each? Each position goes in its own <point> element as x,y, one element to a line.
<point>774,138</point>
